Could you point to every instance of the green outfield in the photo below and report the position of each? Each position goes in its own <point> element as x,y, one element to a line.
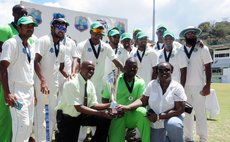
<point>219,128</point>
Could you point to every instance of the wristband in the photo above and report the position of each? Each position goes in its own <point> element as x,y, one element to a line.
<point>158,117</point>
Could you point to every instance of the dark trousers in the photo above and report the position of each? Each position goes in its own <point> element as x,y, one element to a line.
<point>69,127</point>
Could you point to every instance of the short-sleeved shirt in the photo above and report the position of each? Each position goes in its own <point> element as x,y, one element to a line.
<point>159,46</point>
<point>86,53</point>
<point>124,97</point>
<point>7,32</point>
<point>20,69</point>
<point>122,56</point>
<point>177,60</point>
<point>149,60</point>
<point>49,62</point>
<point>73,94</point>
<point>196,70</point>
<point>160,102</point>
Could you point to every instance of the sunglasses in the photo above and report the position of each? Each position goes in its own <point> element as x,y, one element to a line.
<point>61,28</point>
<point>99,31</point>
<point>164,70</point>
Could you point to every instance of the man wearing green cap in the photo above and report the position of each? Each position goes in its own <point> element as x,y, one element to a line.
<point>135,32</point>
<point>17,62</point>
<point>147,58</point>
<point>6,32</point>
<point>120,52</point>
<point>94,49</point>
<point>175,56</point>
<point>198,82</point>
<point>49,60</point>
<point>160,39</point>
<point>126,42</point>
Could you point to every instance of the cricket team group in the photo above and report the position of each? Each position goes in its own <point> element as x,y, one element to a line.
<point>52,85</point>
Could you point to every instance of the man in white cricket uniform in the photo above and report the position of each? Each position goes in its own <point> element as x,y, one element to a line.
<point>175,56</point>
<point>120,52</point>
<point>94,49</point>
<point>126,39</point>
<point>49,60</point>
<point>17,62</point>
<point>146,57</point>
<point>160,40</point>
<point>197,84</point>
<point>70,61</point>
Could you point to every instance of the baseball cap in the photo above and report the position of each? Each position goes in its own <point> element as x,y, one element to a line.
<point>25,20</point>
<point>161,27</point>
<point>140,35</point>
<point>126,36</point>
<point>96,25</point>
<point>59,20</point>
<point>168,33</point>
<point>113,32</point>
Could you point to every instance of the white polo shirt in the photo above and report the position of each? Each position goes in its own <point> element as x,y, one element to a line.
<point>196,70</point>
<point>175,44</point>
<point>20,69</point>
<point>160,102</point>
<point>49,62</point>
<point>149,60</point>
<point>177,59</point>
<point>73,94</point>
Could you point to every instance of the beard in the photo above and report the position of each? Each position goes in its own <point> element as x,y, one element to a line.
<point>191,41</point>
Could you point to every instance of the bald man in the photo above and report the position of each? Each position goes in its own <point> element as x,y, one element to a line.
<point>79,107</point>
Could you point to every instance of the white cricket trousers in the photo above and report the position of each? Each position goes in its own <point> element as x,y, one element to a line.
<point>198,102</point>
<point>39,121</point>
<point>22,120</point>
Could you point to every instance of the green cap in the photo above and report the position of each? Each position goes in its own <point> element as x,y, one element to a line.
<point>113,32</point>
<point>161,27</point>
<point>168,33</point>
<point>126,36</point>
<point>140,35</point>
<point>60,20</point>
<point>25,20</point>
<point>96,25</point>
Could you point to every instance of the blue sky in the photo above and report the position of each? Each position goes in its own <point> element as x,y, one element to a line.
<point>175,14</point>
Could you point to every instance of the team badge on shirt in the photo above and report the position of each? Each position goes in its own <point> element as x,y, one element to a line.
<point>161,56</point>
<point>89,49</point>
<point>51,50</point>
<point>195,50</point>
<point>24,51</point>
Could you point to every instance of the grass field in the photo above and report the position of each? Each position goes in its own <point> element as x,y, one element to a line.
<point>219,128</point>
